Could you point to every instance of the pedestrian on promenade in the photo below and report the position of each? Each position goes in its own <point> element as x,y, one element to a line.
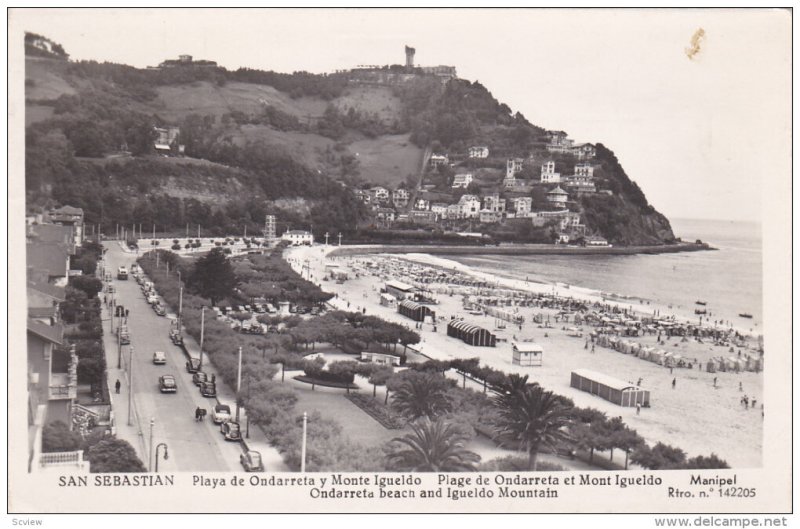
<point>117,385</point>
<point>673,383</point>
<point>715,381</point>
<point>638,408</point>
<point>105,301</point>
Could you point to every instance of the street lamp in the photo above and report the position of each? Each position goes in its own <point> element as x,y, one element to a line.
<point>166,453</point>
<point>238,383</point>
<point>130,385</point>
<point>303,447</point>
<point>202,331</point>
<point>180,303</point>
<point>150,453</point>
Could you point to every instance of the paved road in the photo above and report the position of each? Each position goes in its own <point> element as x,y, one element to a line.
<point>193,446</point>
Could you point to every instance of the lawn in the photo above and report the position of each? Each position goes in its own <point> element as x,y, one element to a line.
<point>331,403</point>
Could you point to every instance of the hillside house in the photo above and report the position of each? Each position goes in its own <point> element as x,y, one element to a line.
<point>558,142</point>
<point>400,198</point>
<point>522,206</point>
<point>549,174</point>
<point>422,204</point>
<point>439,209</point>
<point>480,151</point>
<point>462,180</point>
<point>488,216</point>
<point>584,151</point>
<point>469,206</point>
<point>579,184</point>
<point>385,215</point>
<point>584,169</point>
<point>557,197</point>
<point>363,195</point>
<point>379,194</point>
<point>566,220</point>
<point>494,203</point>
<point>48,263</point>
<point>165,138</point>
<point>454,211</point>
<point>69,216</point>
<point>421,217</point>
<point>513,166</point>
<point>439,159</point>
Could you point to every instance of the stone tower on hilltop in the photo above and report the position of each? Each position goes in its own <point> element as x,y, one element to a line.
<point>410,57</point>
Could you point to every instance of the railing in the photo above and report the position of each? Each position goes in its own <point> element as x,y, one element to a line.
<point>61,459</point>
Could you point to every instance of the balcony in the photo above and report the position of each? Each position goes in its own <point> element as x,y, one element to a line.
<point>62,461</point>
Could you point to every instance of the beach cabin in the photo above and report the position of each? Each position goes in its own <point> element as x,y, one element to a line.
<point>609,388</point>
<point>415,311</point>
<point>471,334</point>
<point>527,354</point>
<point>388,300</point>
<point>381,358</point>
<point>399,290</point>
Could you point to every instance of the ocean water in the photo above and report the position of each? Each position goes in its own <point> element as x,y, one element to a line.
<point>729,279</point>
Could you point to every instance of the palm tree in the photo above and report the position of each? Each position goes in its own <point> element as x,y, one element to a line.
<point>432,447</point>
<point>422,395</point>
<point>529,419</point>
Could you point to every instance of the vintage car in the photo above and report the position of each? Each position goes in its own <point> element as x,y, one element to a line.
<point>193,365</point>
<point>251,461</point>
<point>231,431</point>
<point>221,413</point>
<point>166,383</point>
<point>159,358</point>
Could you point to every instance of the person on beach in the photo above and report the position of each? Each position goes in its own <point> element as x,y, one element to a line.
<point>592,344</point>
<point>639,382</point>
<point>715,381</point>
<point>638,408</point>
<point>740,387</point>
<point>673,383</point>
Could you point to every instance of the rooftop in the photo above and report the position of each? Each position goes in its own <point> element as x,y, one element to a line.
<point>51,333</point>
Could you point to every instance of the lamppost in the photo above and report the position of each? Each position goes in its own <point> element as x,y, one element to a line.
<point>238,383</point>
<point>303,446</point>
<point>202,331</point>
<point>180,303</point>
<point>150,453</point>
<point>166,453</point>
<point>130,385</point>
<point>326,238</point>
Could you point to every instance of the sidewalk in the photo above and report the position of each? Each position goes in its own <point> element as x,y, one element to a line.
<point>119,402</point>
<point>273,461</point>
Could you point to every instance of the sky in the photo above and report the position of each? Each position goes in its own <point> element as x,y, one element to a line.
<point>704,137</point>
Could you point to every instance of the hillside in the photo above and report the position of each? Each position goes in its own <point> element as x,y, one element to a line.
<point>257,140</point>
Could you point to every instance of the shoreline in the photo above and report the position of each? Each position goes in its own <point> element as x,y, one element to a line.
<point>517,249</point>
<point>675,415</point>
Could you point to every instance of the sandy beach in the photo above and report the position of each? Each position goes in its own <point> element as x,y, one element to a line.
<point>694,414</point>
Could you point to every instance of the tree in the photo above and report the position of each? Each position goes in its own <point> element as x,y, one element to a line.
<point>57,437</point>
<point>431,447</point>
<point>660,457</point>
<point>114,455</point>
<point>379,376</point>
<point>213,276</point>
<point>711,461</point>
<point>89,285</point>
<point>530,419</point>
<point>422,395</point>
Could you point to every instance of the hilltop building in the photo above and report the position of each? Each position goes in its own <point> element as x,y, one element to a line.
<point>184,61</point>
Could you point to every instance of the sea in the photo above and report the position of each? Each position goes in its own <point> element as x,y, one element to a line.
<point>728,280</point>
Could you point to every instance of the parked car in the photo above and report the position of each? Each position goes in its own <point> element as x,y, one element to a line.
<point>176,337</point>
<point>160,310</point>
<point>208,389</point>
<point>159,358</point>
<point>240,308</point>
<point>199,377</point>
<point>251,461</point>
<point>259,308</point>
<point>166,383</point>
<point>231,431</point>
<point>193,365</point>
<point>221,413</point>
<point>247,308</point>
<point>228,310</point>
<point>124,338</point>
